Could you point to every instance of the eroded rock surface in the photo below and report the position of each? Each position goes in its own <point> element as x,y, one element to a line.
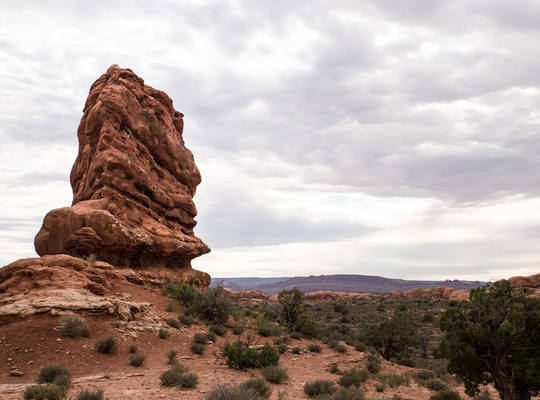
<point>133,182</point>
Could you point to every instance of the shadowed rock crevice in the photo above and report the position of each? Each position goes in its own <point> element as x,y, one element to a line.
<point>133,181</point>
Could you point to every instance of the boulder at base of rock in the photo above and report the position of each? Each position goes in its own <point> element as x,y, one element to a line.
<point>133,182</point>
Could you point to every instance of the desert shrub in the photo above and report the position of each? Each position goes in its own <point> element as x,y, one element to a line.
<point>188,381</point>
<point>239,355</point>
<point>425,374</point>
<point>219,330</point>
<point>350,393</point>
<point>393,380</point>
<point>483,396</point>
<point>172,322</point>
<point>434,384</point>
<point>228,392</point>
<point>74,326</point>
<point>406,362</point>
<point>296,335</point>
<point>373,364</point>
<point>163,333</point>
<point>171,357</point>
<point>238,329</point>
<point>291,306</point>
<point>136,359</point>
<point>319,387</point>
<point>314,347</point>
<point>275,374</point>
<point>393,337</point>
<point>186,320</point>
<point>132,348</point>
<point>204,338</point>
<point>341,348</point>
<point>211,306</point>
<point>308,328</point>
<point>296,350</point>
<point>184,293</point>
<point>379,387</point>
<point>258,386</point>
<point>55,374</point>
<point>353,377</point>
<point>107,345</point>
<point>282,348</point>
<point>334,369</point>
<point>402,307</point>
<point>172,376</point>
<point>45,392</point>
<point>266,328</point>
<point>90,395</point>
<point>381,307</point>
<point>427,318</point>
<point>341,308</point>
<point>282,340</point>
<point>445,395</point>
<point>197,348</point>
<point>359,346</point>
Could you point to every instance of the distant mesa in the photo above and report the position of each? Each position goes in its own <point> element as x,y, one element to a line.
<point>133,182</point>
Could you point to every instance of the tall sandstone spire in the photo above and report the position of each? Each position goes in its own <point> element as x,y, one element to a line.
<point>133,181</point>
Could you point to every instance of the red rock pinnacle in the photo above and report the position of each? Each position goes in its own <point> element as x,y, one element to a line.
<point>133,181</point>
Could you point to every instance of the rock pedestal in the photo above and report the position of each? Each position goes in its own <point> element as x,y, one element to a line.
<point>133,182</point>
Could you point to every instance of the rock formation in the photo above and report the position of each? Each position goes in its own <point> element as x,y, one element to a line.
<point>133,182</point>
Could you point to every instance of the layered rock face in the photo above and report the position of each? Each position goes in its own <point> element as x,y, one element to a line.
<point>133,182</point>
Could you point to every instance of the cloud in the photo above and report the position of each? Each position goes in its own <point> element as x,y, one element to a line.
<point>326,135</point>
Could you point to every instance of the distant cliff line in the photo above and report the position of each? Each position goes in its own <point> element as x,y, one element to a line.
<point>339,283</point>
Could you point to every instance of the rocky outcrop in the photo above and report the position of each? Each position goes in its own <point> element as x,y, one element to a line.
<point>133,182</point>
<point>530,284</point>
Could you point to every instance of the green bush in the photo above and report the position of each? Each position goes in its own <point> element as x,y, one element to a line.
<point>434,384</point>
<point>341,348</point>
<point>483,396</point>
<point>353,377</point>
<point>136,359</point>
<point>132,348</point>
<point>55,374</point>
<point>238,329</point>
<point>219,330</point>
<point>172,376</point>
<point>275,374</point>
<point>188,381</point>
<point>197,348</point>
<point>163,333</point>
<point>239,355</point>
<point>90,395</point>
<point>314,347</point>
<point>307,328</point>
<point>203,338</point>
<point>184,293</point>
<point>266,328</point>
<point>406,362</point>
<point>334,369</point>
<point>107,345</point>
<point>427,318</point>
<point>296,350</point>
<point>171,357</point>
<point>172,322</point>
<point>282,348</point>
<point>445,395</point>
<point>350,393</point>
<point>258,386</point>
<point>373,364</point>
<point>228,392</point>
<point>211,306</point>
<point>74,326</point>
<point>319,387</point>
<point>186,320</point>
<point>425,374</point>
<point>393,380</point>
<point>296,335</point>
<point>45,392</point>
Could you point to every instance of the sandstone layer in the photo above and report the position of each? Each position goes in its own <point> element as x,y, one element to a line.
<point>133,182</point>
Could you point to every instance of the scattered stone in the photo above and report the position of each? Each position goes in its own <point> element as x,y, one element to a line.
<point>16,372</point>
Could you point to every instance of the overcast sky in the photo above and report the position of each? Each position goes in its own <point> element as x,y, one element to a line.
<point>394,138</point>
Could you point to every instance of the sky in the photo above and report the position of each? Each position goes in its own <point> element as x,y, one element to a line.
<point>376,137</point>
